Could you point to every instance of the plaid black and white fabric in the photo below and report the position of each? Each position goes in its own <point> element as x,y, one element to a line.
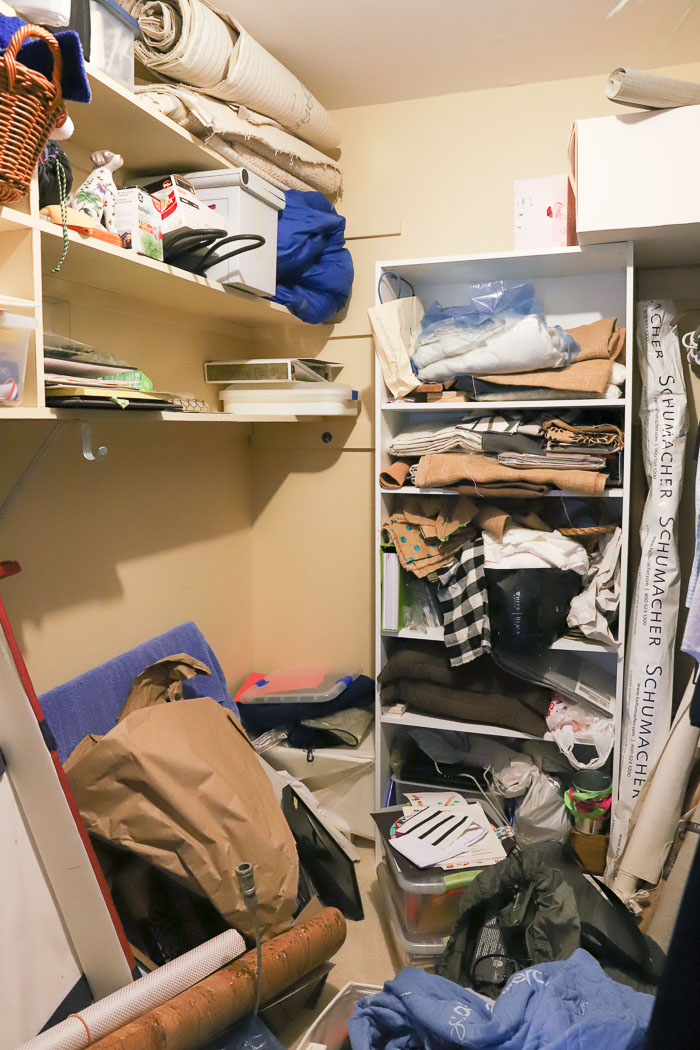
<point>465,605</point>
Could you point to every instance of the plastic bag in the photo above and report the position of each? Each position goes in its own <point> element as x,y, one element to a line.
<point>570,724</point>
<point>541,816</point>
<point>528,607</point>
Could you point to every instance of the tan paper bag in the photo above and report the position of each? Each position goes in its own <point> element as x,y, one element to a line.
<point>395,325</point>
<point>180,785</point>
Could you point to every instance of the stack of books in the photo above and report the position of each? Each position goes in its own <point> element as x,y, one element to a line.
<point>77,375</point>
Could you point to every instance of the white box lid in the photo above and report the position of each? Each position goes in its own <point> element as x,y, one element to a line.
<point>238,178</point>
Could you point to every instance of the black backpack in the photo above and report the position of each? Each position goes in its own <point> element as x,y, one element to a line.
<point>539,906</point>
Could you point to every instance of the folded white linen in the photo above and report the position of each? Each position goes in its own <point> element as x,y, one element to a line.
<point>522,548</point>
<point>522,344</point>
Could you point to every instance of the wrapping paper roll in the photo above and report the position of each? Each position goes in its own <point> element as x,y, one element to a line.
<point>189,41</point>
<point>656,816</point>
<point>632,87</point>
<point>80,1030</point>
<point>192,1018</point>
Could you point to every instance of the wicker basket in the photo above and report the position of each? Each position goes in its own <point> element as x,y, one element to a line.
<point>30,108</point>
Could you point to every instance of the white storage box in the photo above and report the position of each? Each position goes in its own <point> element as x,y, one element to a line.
<point>112,35</point>
<point>243,203</point>
<point>634,173</point>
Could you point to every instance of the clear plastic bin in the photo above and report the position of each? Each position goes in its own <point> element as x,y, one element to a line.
<point>330,1029</point>
<point>15,331</point>
<point>412,949</point>
<point>306,685</point>
<point>427,901</point>
<point>112,35</point>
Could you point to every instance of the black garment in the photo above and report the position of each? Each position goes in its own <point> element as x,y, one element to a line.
<point>675,1021</point>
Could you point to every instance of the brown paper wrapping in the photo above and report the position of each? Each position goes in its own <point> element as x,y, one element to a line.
<point>180,785</point>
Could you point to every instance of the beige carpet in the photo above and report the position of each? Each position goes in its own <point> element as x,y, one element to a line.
<point>365,957</point>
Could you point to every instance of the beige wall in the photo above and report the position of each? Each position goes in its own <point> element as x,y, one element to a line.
<point>116,551</point>
<point>428,177</point>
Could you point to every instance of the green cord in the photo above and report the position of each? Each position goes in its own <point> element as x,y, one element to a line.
<point>63,199</point>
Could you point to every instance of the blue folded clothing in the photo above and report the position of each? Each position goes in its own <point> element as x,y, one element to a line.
<point>92,702</point>
<point>35,54</point>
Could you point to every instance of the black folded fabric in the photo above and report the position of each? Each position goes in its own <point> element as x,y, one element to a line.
<point>479,692</point>
<point>258,718</point>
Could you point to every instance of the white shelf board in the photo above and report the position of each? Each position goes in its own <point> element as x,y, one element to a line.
<point>500,406</point>
<point>411,490</point>
<point>559,262</point>
<point>568,645</point>
<point>413,718</point>
<point>88,414</point>
<point>108,268</point>
<point>150,143</point>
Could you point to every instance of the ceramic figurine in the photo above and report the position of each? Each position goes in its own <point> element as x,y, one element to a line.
<point>97,196</point>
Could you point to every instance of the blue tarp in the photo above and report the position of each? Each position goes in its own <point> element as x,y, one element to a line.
<point>91,702</point>
<point>314,268</point>
<point>570,1005</point>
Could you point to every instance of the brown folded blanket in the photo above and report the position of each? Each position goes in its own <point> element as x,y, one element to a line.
<point>441,469</point>
<point>480,692</point>
<point>588,377</point>
<point>599,340</point>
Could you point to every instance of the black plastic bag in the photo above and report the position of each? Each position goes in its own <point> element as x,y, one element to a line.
<point>528,607</point>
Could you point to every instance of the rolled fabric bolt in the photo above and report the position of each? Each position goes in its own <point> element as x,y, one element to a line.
<point>199,1014</point>
<point>632,87</point>
<point>94,1022</point>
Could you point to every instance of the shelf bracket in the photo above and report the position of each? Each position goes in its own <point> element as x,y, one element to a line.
<point>86,439</point>
<point>87,447</point>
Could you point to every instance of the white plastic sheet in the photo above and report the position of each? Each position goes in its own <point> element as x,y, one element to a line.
<point>648,690</point>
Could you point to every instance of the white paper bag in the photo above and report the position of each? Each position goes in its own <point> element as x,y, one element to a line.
<point>395,325</point>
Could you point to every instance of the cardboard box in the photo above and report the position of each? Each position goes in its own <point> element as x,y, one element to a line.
<point>634,173</point>
<point>179,207</point>
<point>544,213</point>
<point>139,222</point>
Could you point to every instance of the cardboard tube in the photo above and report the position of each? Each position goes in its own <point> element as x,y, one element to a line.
<point>202,1012</point>
<point>631,87</point>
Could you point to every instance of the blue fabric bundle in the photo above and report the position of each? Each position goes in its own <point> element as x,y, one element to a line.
<point>314,268</point>
<point>35,55</point>
<point>91,703</point>
<point>570,1005</point>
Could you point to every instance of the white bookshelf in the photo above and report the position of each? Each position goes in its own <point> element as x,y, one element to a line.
<point>577,286</point>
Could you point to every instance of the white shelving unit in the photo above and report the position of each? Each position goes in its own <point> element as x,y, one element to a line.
<point>577,286</point>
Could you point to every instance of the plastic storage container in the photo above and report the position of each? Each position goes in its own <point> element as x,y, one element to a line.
<point>243,203</point>
<point>306,685</point>
<point>330,1029</point>
<point>112,35</point>
<point>427,900</point>
<point>15,331</point>
<point>290,400</point>
<point>413,949</point>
